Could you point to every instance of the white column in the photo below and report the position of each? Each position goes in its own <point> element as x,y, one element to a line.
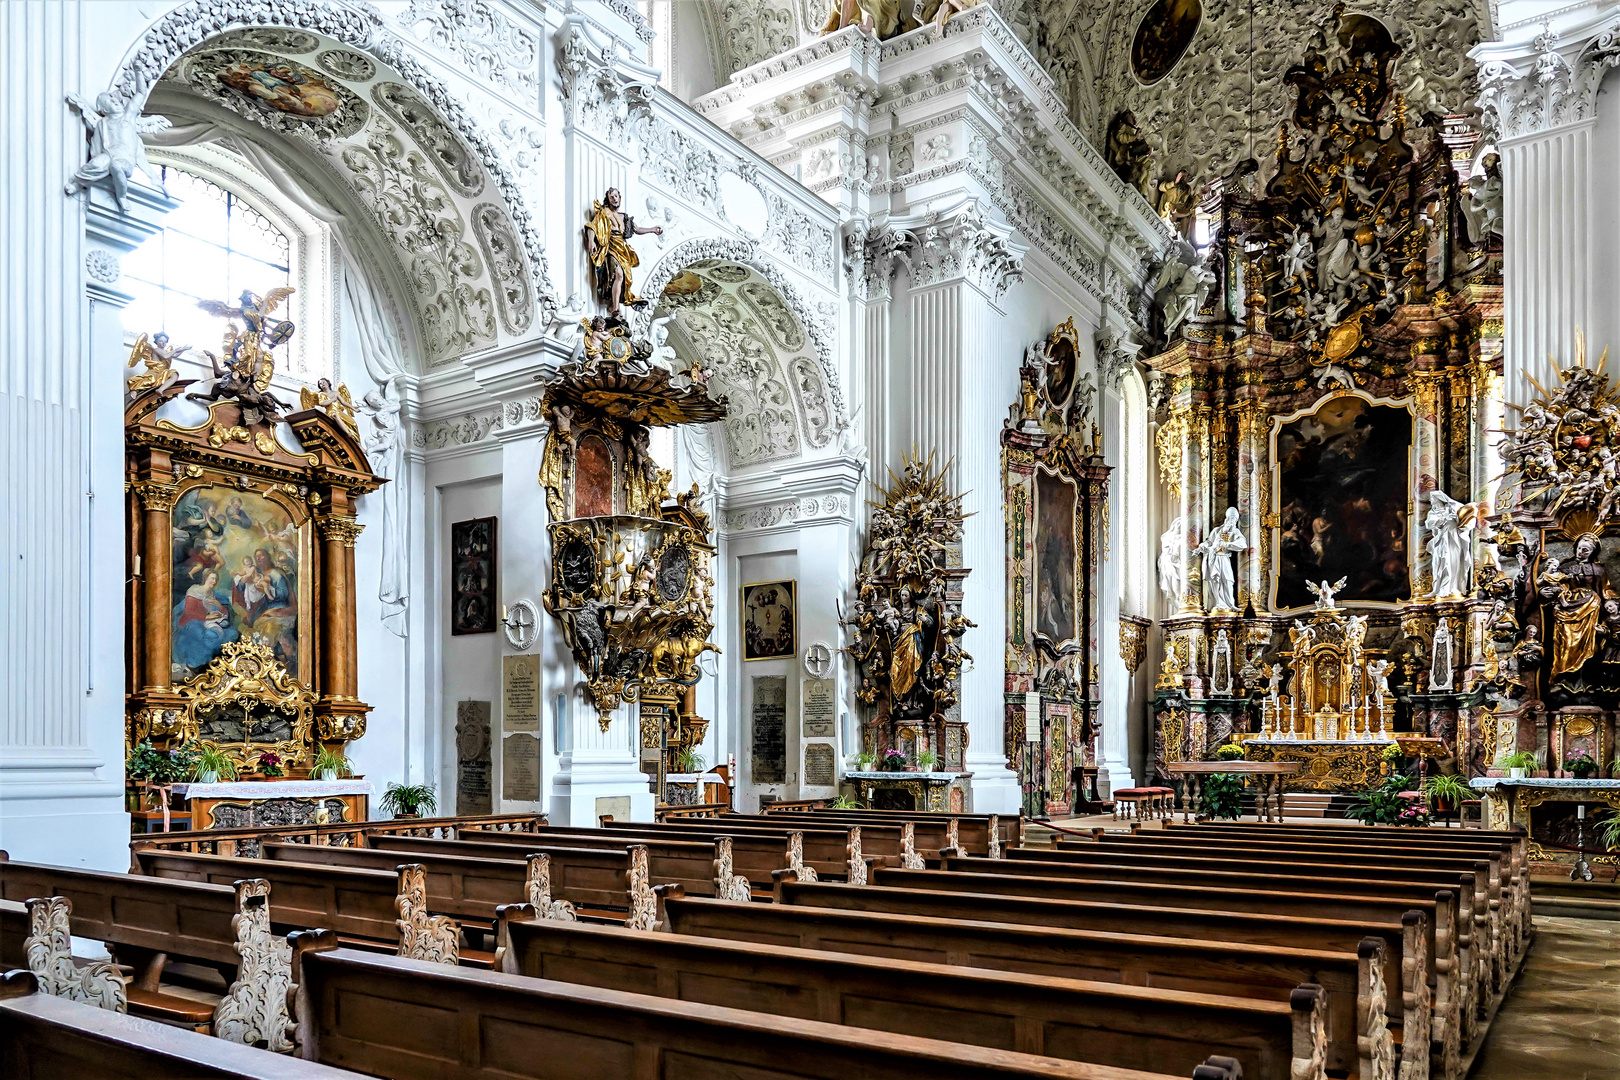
<point>964,370</point>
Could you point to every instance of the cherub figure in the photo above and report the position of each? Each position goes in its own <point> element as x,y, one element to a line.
<point>336,402</point>
<point>1324,593</point>
<point>116,149</point>
<point>159,357</point>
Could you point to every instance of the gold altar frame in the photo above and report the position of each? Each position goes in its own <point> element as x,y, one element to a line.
<point>1271,534</point>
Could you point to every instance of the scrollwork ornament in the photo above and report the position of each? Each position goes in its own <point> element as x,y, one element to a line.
<point>795,858</point>
<point>643,904</point>
<point>433,938</point>
<point>254,1009</point>
<point>728,885</point>
<point>855,864</point>
<point>49,952</point>
<point>539,890</point>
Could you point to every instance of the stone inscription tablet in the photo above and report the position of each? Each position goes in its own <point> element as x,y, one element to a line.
<point>520,693</point>
<point>520,768</point>
<point>770,729</point>
<point>817,708</point>
<point>819,770</point>
<point>474,784</point>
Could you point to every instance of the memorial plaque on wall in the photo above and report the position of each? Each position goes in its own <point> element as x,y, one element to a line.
<point>474,784</point>
<point>472,577</point>
<point>520,768</point>
<point>770,729</point>
<point>817,708</point>
<point>520,693</point>
<point>819,770</point>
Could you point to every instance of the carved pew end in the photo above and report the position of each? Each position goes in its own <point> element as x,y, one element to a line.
<point>1219,1068</point>
<point>676,891</point>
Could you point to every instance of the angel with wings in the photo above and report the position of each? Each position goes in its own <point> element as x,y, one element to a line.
<point>1324,593</point>
<point>249,366</point>
<point>338,403</point>
<point>116,150</point>
<point>158,356</point>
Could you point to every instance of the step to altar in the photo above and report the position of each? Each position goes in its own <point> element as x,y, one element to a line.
<point>1317,804</point>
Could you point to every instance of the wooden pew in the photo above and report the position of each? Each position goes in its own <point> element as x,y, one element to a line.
<point>1407,964</point>
<point>973,831</point>
<point>1352,984</point>
<point>1439,909</point>
<point>50,1038</point>
<point>147,923</point>
<point>605,882</point>
<point>245,842</point>
<point>1107,1024</point>
<point>838,853</point>
<point>374,909</point>
<point>391,1017</point>
<point>754,858</point>
<point>13,933</point>
<point>689,863</point>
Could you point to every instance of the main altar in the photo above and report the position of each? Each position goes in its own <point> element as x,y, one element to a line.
<point>1324,411</point>
<point>241,618</point>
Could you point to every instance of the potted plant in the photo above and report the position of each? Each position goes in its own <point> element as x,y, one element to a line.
<point>1230,752</point>
<point>1608,830</point>
<point>865,761</point>
<point>927,760</point>
<point>1223,795</point>
<point>1520,764</point>
<point>1415,815</point>
<point>844,802</point>
<point>213,765</point>
<point>892,761</point>
<point>1581,766</point>
<point>1614,769</point>
<point>331,764</point>
<point>689,761</point>
<point>1381,805</point>
<point>1392,754</point>
<point>1446,793</point>
<point>270,765</point>
<point>409,800</point>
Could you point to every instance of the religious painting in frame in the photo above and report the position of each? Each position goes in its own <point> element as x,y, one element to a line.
<point>1055,501</point>
<point>770,620</point>
<point>1162,37</point>
<point>1342,470</point>
<point>239,573</point>
<point>473,608</point>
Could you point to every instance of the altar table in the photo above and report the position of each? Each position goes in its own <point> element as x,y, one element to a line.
<point>1271,777</point>
<point>1546,808</point>
<point>911,790</point>
<point>242,804</point>
<point>1334,765</point>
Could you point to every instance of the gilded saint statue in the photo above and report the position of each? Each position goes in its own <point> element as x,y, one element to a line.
<point>913,624</point>
<point>607,243</point>
<point>1575,589</point>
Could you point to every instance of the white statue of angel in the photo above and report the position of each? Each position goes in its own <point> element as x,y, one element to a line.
<point>1181,290</point>
<point>1324,593</point>
<point>1379,672</point>
<point>116,150</point>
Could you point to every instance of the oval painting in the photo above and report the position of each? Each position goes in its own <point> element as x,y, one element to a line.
<point>1162,37</point>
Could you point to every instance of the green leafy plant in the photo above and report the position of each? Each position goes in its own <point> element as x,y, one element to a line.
<point>864,761</point>
<point>1392,753</point>
<point>1522,759</point>
<point>1608,830</point>
<point>1230,752</point>
<point>1224,795</point>
<point>926,760</point>
<point>689,761</point>
<point>213,762</point>
<point>331,764</point>
<point>270,764</point>
<point>1614,768</point>
<point>1381,805</point>
<point>1415,816</point>
<point>844,802</point>
<point>1581,765</point>
<point>892,761</point>
<point>1450,790</point>
<point>409,800</point>
<point>160,767</point>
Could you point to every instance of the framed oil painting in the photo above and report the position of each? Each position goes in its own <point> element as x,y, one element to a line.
<point>1341,478</point>
<point>769,621</point>
<point>473,609</point>
<point>238,575</point>
<point>1054,557</point>
<point>1162,37</point>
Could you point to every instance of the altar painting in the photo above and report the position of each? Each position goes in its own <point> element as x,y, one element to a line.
<point>1342,502</point>
<point>1054,557</point>
<point>237,576</point>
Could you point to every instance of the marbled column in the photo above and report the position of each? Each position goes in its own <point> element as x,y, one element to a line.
<point>1425,472</point>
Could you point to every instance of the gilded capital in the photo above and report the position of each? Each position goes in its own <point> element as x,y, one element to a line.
<point>344,529</point>
<point>157,495</point>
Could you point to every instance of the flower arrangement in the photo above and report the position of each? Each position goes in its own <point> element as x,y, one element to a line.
<point>160,768</point>
<point>270,764</point>
<point>892,761</point>
<point>1230,752</point>
<point>1414,816</point>
<point>1392,753</point>
<point>1581,766</point>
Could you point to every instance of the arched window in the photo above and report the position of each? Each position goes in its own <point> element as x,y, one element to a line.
<point>213,246</point>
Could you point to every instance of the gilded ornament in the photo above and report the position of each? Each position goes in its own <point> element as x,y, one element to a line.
<point>244,375</point>
<point>336,403</point>
<point>158,356</point>
<point>1171,441</point>
<point>244,683</point>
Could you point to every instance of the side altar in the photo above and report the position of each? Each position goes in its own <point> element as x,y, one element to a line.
<point>240,634</point>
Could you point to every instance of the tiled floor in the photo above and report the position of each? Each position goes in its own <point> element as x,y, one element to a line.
<point>1562,1019</point>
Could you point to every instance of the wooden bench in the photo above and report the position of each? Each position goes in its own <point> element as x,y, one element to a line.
<point>145,924</point>
<point>50,1038</point>
<point>1407,964</point>
<point>694,864</point>
<point>975,834</point>
<point>837,853</point>
<point>693,810</point>
<point>754,857</point>
<point>1134,1027</point>
<point>245,842</point>
<point>1352,984</point>
<point>373,909</point>
<point>1439,910</point>
<point>605,882</point>
<point>391,1017</point>
<point>861,841</point>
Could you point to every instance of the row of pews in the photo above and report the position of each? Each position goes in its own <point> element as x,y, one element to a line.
<point>808,944</point>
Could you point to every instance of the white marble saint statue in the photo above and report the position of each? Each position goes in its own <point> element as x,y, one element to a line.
<point>1451,556</point>
<point>1220,577</point>
<point>1172,576</point>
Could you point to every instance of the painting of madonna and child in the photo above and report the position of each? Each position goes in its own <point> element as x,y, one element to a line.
<point>1343,477</point>
<point>236,577</point>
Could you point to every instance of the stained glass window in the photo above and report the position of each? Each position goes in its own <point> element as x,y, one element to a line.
<point>212,247</point>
